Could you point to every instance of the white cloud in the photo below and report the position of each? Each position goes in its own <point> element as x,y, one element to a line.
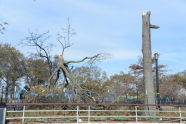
<point>115,55</point>
<point>124,54</point>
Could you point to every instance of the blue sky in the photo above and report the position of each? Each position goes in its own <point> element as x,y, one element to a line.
<point>102,26</point>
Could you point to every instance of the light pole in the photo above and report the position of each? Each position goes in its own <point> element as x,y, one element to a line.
<point>156,57</point>
<point>2,94</point>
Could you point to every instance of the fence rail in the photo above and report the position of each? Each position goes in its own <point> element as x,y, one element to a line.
<point>87,113</point>
<point>92,104</point>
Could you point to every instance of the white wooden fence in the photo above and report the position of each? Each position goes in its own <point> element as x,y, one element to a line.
<point>90,115</point>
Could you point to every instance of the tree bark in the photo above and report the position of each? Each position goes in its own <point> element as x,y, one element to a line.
<point>147,61</point>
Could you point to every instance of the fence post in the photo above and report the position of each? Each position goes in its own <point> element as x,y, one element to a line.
<point>136,111</point>
<point>88,114</point>
<point>180,115</point>
<point>77,114</point>
<point>4,114</point>
<point>23,118</point>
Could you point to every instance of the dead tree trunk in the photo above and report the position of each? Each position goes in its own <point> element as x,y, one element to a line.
<point>68,76</point>
<point>147,60</point>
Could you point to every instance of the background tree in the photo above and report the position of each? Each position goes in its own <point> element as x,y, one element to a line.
<point>37,72</point>
<point>170,87</point>
<point>137,69</point>
<point>173,88</point>
<point>94,81</point>
<point>11,66</point>
<point>122,86</point>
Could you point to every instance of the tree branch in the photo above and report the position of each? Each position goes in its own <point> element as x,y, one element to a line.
<point>86,58</point>
<point>38,40</point>
<point>65,36</point>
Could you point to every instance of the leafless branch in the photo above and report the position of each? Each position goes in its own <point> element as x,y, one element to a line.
<point>91,60</point>
<point>2,27</point>
<point>64,37</point>
<point>38,41</point>
<point>86,58</point>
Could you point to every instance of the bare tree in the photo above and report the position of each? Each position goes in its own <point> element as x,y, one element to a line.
<point>64,38</point>
<point>63,66</point>
<point>69,78</point>
<point>2,27</point>
<point>39,42</point>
